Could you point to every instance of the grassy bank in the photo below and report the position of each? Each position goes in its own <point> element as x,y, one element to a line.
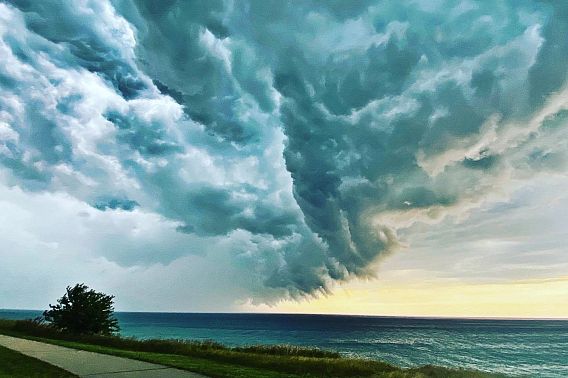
<point>14,364</point>
<point>216,360</point>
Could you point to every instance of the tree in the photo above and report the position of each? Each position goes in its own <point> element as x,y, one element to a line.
<point>83,311</point>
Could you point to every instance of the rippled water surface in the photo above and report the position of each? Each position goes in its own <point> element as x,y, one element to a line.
<point>516,347</point>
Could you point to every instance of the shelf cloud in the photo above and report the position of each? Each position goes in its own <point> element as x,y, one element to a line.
<point>285,145</point>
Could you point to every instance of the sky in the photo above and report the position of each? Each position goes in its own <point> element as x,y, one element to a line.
<point>363,157</point>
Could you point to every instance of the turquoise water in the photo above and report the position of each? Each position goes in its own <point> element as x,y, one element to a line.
<point>536,348</point>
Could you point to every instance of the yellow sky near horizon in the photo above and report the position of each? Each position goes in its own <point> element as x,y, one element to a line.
<point>482,266</point>
<point>535,298</point>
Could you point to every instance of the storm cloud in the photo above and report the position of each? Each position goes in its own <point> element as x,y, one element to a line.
<point>294,139</point>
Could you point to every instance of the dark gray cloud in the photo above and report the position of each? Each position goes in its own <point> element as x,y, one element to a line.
<point>305,133</point>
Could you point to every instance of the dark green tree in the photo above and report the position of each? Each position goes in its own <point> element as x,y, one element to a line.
<point>83,311</point>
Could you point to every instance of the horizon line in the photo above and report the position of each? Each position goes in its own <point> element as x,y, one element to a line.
<point>431,317</point>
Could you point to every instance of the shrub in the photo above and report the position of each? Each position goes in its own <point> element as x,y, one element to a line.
<point>83,311</point>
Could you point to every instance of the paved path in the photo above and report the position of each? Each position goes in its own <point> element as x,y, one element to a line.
<point>89,364</point>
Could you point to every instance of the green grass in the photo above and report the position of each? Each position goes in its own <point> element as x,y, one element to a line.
<point>15,364</point>
<point>216,360</point>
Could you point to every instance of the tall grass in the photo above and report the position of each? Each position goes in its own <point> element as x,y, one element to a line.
<point>298,361</point>
<point>287,350</point>
<point>173,346</point>
<point>284,358</point>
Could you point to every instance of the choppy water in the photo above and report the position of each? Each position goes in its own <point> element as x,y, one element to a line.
<point>536,348</point>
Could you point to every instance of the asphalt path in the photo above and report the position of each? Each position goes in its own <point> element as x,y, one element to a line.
<point>90,364</point>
